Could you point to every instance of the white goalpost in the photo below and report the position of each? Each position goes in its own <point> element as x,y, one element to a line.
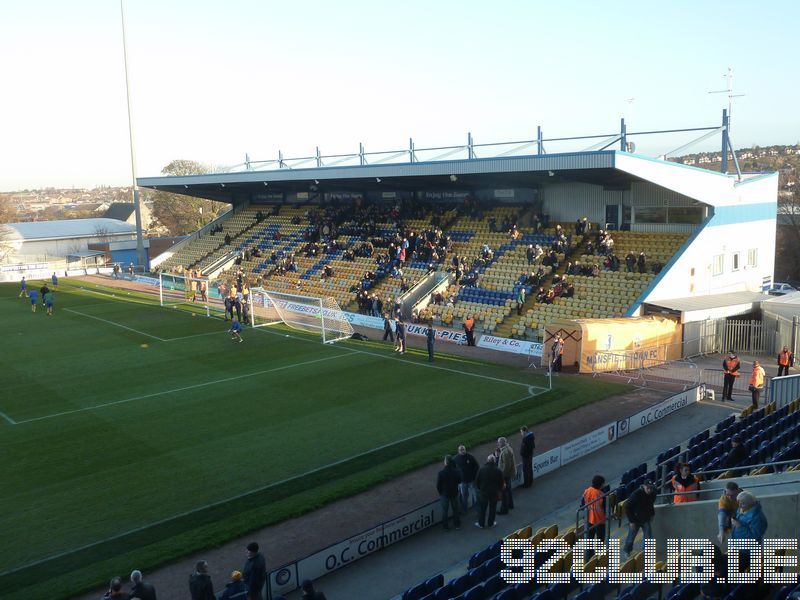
<point>321,315</point>
<point>174,290</point>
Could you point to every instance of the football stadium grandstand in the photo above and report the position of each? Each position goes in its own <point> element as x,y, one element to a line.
<point>520,252</point>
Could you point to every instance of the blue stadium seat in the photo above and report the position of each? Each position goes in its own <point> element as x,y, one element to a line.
<point>493,566</point>
<point>509,594</point>
<point>434,583</point>
<point>493,585</point>
<point>459,585</point>
<point>443,593</point>
<point>475,593</point>
<point>416,592</point>
<point>478,574</point>
<point>478,558</point>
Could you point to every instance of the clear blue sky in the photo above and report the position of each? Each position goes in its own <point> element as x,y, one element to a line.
<point>212,80</point>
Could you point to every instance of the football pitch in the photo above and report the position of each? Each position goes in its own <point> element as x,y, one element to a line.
<point>131,434</point>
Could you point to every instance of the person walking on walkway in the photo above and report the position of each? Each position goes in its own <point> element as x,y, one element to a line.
<point>785,361</point>
<point>507,463</point>
<point>526,453</point>
<point>489,482</point>
<point>447,485</point>
<point>730,368</point>
<point>757,378</point>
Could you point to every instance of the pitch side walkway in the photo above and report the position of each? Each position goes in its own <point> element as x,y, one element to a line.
<point>388,573</point>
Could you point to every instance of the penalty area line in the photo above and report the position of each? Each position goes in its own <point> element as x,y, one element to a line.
<point>154,337</point>
<point>8,419</point>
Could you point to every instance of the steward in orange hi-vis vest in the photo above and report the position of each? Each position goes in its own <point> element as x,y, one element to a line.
<point>684,481</point>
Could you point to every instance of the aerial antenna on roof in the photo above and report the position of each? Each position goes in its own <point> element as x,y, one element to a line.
<point>731,95</point>
<point>727,144</point>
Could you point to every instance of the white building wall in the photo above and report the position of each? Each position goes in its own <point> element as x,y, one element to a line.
<point>750,226</point>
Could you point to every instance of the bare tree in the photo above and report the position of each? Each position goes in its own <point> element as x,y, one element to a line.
<point>787,247</point>
<point>182,215</point>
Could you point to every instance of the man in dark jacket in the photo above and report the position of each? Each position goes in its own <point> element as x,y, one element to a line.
<point>140,589</point>
<point>489,482</point>
<point>447,486</point>
<point>526,453</point>
<point>639,510</point>
<point>387,329</point>
<point>737,454</point>
<point>200,586</point>
<point>467,469</point>
<point>254,572</point>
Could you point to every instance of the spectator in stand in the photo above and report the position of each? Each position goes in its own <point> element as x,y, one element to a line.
<point>630,261</point>
<point>140,589</point>
<point>750,523</point>
<point>467,469</point>
<point>200,586</point>
<point>447,485</point>
<point>507,464</point>
<point>236,589</point>
<point>115,591</point>
<point>520,299</point>
<point>595,505</point>
<point>736,455</point>
<point>526,453</point>
<point>684,483</point>
<point>641,262</point>
<point>726,511</point>
<point>757,380</point>
<point>785,361</point>
<point>309,593</point>
<point>639,508</point>
<point>489,482</point>
<point>254,572</point>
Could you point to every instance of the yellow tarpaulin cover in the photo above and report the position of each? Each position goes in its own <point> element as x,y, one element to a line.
<point>612,344</point>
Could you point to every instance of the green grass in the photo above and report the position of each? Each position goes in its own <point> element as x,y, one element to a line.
<point>133,434</point>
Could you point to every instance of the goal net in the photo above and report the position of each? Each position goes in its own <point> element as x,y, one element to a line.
<point>174,290</point>
<point>322,316</point>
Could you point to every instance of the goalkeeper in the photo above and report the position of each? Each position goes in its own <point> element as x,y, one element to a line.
<point>236,330</point>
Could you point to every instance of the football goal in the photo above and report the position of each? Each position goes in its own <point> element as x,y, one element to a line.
<point>322,316</point>
<point>174,290</point>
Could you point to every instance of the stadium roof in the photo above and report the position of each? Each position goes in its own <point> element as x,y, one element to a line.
<point>611,169</point>
<point>787,306</point>
<point>68,228</point>
<point>120,211</point>
<point>695,303</point>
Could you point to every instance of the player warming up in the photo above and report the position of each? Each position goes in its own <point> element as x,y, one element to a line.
<point>236,330</point>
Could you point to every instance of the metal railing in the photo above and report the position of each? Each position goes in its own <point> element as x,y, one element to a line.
<point>470,150</point>
<point>614,515</point>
